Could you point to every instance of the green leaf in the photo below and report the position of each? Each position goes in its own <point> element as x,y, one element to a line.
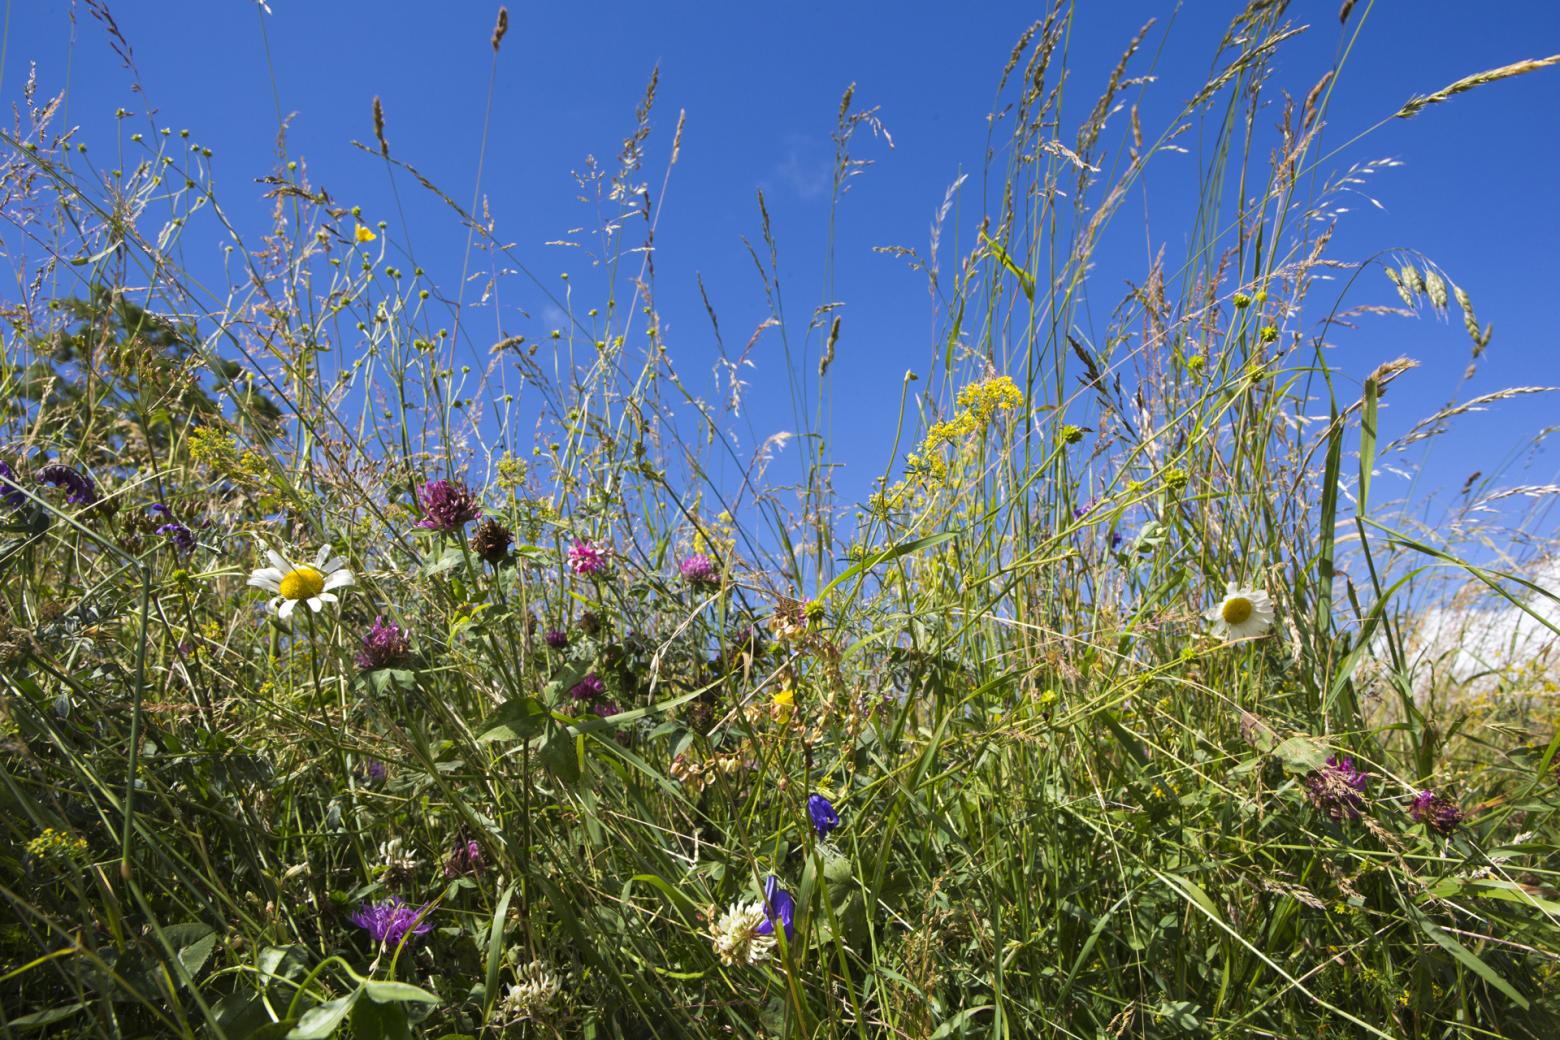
<point>387,991</point>
<point>47,1016</point>
<point>519,718</point>
<point>374,1021</point>
<point>320,1022</point>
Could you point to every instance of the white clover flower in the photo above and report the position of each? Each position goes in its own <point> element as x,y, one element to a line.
<point>295,583</point>
<point>1242,613</point>
<point>735,934</point>
<point>534,997</point>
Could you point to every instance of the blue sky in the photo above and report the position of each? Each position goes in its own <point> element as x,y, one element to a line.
<point>760,85</point>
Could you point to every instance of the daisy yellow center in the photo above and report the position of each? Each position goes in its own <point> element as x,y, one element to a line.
<point>302,583</point>
<point>1236,609</point>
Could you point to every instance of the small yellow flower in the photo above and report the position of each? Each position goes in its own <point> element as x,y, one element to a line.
<point>785,705</point>
<point>363,234</point>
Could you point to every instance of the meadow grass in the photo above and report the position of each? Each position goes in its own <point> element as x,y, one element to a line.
<point>1125,706</point>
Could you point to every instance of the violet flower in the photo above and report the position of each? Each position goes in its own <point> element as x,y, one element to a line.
<point>1338,788</point>
<point>824,818</point>
<point>79,488</point>
<point>779,905</point>
<point>1436,811</point>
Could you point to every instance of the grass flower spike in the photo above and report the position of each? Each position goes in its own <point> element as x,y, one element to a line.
<point>293,583</point>
<point>1242,613</point>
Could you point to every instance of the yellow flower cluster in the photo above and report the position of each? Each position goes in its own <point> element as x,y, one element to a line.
<point>928,467</point>
<point>990,396</point>
<point>217,449</point>
<point>53,844</point>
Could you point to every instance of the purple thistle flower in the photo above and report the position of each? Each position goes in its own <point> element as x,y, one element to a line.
<point>556,638</point>
<point>385,645</point>
<point>182,537</point>
<point>699,569</point>
<point>466,859</point>
<point>1436,811</point>
<point>779,905</point>
<point>589,688</point>
<point>1338,788</point>
<point>824,818</point>
<point>447,505</point>
<point>587,558</point>
<point>79,488</point>
<point>390,921</point>
<point>10,491</point>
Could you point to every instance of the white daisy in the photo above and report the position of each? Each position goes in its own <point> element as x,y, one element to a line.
<point>1242,613</point>
<point>294,583</point>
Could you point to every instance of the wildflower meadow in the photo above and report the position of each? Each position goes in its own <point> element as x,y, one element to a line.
<point>394,652</point>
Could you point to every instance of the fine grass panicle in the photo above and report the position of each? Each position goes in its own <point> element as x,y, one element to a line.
<point>373,671</point>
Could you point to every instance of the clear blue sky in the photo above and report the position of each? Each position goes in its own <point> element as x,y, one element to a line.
<point>761,84</point>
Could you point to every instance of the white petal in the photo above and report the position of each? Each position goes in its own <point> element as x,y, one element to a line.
<point>338,580</point>
<point>268,573</point>
<point>327,597</point>
<point>262,582</point>
<point>278,561</point>
<point>323,555</point>
<point>315,604</point>
<point>286,608</point>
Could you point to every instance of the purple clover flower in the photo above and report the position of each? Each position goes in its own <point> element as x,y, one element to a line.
<point>447,505</point>
<point>824,818</point>
<point>1338,788</point>
<point>385,645</point>
<point>779,905</point>
<point>1436,811</point>
<point>587,558</point>
<point>589,688</point>
<point>465,860</point>
<point>79,488</point>
<point>556,638</point>
<point>699,569</point>
<point>391,921</point>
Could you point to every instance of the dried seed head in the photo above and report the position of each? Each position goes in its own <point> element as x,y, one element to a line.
<point>500,27</point>
<point>379,127</point>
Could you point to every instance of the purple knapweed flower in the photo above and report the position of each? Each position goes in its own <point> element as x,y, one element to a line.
<point>779,905</point>
<point>824,818</point>
<point>385,645</point>
<point>10,491</point>
<point>587,558</point>
<point>1338,788</point>
<point>390,921</point>
<point>699,569</point>
<point>79,488</point>
<point>447,505</point>
<point>1436,811</point>
<point>589,688</point>
<point>466,859</point>
<point>556,638</point>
